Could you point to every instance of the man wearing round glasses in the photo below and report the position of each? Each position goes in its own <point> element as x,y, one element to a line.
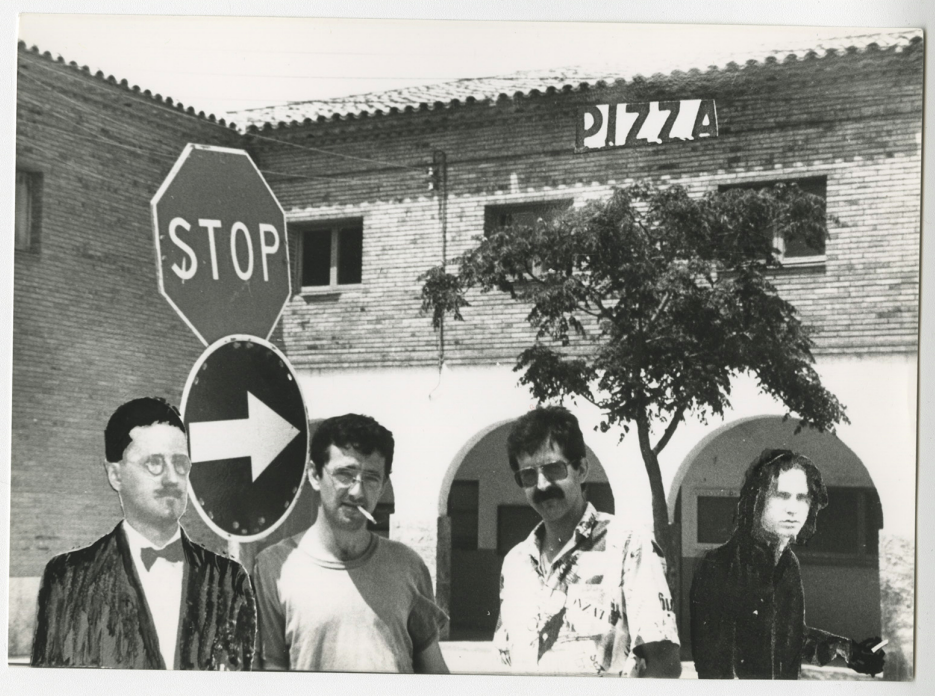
<point>580,595</point>
<point>144,595</point>
<point>338,597</point>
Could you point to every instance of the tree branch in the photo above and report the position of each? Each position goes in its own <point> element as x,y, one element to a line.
<point>669,432</point>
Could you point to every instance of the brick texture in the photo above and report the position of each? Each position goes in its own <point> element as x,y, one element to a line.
<point>853,118</point>
<point>91,331</point>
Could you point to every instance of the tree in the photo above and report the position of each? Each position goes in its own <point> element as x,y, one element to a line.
<point>649,302</point>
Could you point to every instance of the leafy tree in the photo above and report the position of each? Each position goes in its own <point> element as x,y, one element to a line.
<point>649,302</point>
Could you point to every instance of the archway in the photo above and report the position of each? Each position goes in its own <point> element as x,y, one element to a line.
<point>489,515</point>
<point>840,566</point>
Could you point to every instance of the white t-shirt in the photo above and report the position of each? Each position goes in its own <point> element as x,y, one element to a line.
<point>372,614</point>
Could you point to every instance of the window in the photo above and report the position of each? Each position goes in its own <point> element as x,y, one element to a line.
<point>715,518</point>
<point>462,509</point>
<point>793,251</point>
<point>600,496</point>
<point>499,216</point>
<point>28,194</point>
<point>332,255</point>
<point>847,529</point>
<point>514,523</point>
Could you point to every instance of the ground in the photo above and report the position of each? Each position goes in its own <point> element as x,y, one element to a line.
<point>480,657</point>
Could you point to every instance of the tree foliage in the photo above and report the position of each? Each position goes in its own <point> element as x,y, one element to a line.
<point>650,302</point>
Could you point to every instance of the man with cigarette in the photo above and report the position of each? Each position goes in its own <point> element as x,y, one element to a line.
<point>747,603</point>
<point>338,597</point>
<point>581,595</point>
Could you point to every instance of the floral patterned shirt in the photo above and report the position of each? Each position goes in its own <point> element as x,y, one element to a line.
<point>603,594</point>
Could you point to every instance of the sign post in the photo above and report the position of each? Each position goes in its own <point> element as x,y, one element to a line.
<point>221,248</point>
<point>223,262</point>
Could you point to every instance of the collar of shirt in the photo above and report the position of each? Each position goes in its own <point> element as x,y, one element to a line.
<point>583,531</point>
<point>138,542</point>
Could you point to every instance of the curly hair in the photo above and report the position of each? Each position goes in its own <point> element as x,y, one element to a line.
<point>761,477</point>
<point>363,433</point>
<point>543,425</point>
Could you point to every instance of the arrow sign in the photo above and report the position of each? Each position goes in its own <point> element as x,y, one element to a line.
<point>262,435</point>
<point>248,437</point>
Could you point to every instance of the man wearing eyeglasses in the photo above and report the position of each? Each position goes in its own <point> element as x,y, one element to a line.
<point>144,595</point>
<point>580,595</point>
<point>338,597</point>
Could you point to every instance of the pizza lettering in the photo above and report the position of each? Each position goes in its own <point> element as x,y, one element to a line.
<point>602,126</point>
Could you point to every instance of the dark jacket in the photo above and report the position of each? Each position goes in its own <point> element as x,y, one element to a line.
<point>93,612</point>
<point>748,615</point>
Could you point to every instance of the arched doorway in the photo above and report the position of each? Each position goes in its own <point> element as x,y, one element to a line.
<point>489,515</point>
<point>840,564</point>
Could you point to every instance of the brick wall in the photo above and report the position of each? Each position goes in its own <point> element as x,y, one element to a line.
<point>854,118</point>
<point>90,329</point>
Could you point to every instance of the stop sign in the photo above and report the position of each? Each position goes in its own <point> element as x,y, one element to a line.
<point>221,248</point>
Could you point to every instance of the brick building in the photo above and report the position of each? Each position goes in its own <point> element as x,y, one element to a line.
<point>351,175</point>
<point>88,333</point>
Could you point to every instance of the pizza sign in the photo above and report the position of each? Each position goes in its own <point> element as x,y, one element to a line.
<point>627,124</point>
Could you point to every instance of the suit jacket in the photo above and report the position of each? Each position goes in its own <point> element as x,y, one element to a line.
<point>93,611</point>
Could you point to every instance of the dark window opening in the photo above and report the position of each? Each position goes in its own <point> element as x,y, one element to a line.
<point>514,523</point>
<point>316,257</point>
<point>28,192</point>
<point>848,527</point>
<point>499,216</point>
<point>463,510</point>
<point>332,255</point>
<point>793,248</point>
<point>600,496</point>
<point>715,518</point>
<point>350,255</point>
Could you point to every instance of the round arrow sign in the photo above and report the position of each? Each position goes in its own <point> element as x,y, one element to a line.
<point>248,436</point>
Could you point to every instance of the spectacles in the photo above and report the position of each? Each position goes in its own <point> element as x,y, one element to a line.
<point>529,476</point>
<point>156,464</point>
<point>346,478</point>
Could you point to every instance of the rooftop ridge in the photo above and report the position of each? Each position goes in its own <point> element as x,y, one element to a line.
<point>531,83</point>
<point>124,84</point>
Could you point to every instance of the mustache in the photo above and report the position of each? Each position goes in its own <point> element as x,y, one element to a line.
<point>169,492</point>
<point>550,493</point>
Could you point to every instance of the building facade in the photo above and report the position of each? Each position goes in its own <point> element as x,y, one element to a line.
<point>352,177</point>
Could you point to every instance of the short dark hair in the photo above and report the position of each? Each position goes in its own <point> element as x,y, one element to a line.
<point>148,410</point>
<point>363,433</point>
<point>535,429</point>
<point>761,477</point>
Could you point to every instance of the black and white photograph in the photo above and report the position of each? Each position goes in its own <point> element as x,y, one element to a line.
<point>370,345</point>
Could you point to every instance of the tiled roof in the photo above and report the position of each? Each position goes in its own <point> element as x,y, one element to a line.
<point>158,98</point>
<point>573,79</point>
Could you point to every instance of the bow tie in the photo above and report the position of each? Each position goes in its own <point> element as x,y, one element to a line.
<point>172,553</point>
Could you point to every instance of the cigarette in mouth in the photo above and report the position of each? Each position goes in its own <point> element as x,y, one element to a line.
<point>879,645</point>
<point>370,517</point>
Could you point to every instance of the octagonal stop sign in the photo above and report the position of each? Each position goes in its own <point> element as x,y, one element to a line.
<point>221,247</point>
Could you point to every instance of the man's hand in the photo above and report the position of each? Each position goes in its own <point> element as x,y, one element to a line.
<point>863,660</point>
<point>662,659</point>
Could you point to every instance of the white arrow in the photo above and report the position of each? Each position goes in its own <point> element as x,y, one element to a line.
<point>262,435</point>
